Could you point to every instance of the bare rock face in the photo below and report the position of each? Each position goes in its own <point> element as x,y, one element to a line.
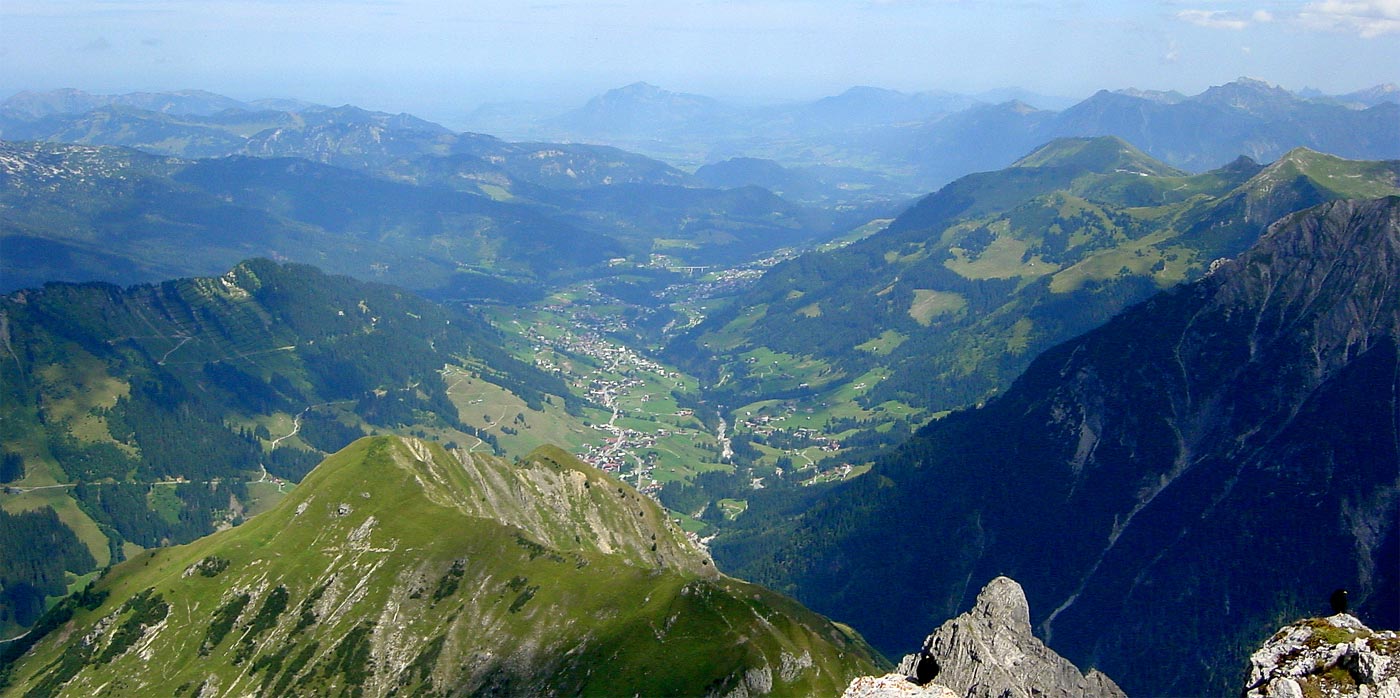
<point>988,652</point>
<point>894,686</point>
<point>1334,656</point>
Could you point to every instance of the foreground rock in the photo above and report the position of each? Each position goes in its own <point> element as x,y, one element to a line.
<point>987,652</point>
<point>895,685</point>
<point>1335,656</point>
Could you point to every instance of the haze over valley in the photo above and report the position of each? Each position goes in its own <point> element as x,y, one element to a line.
<point>382,388</point>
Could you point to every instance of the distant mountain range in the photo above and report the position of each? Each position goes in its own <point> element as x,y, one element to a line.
<point>37,105</point>
<point>645,111</point>
<point>868,143</point>
<point>346,136</point>
<point>922,141</point>
<point>456,225</point>
<point>82,213</point>
<point>1167,487</point>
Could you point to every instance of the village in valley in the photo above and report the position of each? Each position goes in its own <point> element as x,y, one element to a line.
<point>641,420</point>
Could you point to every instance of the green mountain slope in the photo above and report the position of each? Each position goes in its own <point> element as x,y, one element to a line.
<point>959,293</point>
<point>153,414</point>
<point>394,570</point>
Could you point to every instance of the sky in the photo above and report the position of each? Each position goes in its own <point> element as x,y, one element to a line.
<point>441,58</point>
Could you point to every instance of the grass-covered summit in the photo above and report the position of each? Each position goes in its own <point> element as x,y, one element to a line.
<point>398,568</point>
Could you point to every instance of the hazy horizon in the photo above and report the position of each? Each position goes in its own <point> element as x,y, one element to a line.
<point>441,60</point>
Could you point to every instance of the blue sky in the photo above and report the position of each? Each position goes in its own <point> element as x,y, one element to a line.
<point>436,57</point>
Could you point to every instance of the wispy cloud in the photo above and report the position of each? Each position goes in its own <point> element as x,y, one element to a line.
<point>1367,18</point>
<point>1214,19</point>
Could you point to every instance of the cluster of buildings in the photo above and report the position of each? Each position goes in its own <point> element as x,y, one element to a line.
<point>619,377</point>
<point>767,426</point>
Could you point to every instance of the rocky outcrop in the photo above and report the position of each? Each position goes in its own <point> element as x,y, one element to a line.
<point>1335,656</point>
<point>895,686</point>
<point>987,652</point>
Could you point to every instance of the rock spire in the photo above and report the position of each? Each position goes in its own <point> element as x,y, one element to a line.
<point>988,652</point>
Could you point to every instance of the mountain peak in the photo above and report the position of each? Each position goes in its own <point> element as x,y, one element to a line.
<point>1246,81</point>
<point>1159,96</point>
<point>1020,107</point>
<point>1003,599</point>
<point>869,92</point>
<point>561,502</point>
<point>640,109</point>
<point>988,651</point>
<point>1345,178</point>
<point>1103,154</point>
<point>644,92</point>
<point>639,87</point>
<point>1250,95</point>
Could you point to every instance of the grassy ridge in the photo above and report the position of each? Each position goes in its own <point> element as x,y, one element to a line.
<point>374,577</point>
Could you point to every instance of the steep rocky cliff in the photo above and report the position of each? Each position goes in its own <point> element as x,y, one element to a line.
<point>397,568</point>
<point>988,652</point>
<point>1168,487</point>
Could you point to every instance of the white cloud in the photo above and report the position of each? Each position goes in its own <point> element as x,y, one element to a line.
<point>1214,19</point>
<point>1367,18</point>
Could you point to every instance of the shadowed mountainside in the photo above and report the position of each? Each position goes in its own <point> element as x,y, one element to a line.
<point>1166,487</point>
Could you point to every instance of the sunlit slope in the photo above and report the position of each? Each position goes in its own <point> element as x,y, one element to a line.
<point>398,569</point>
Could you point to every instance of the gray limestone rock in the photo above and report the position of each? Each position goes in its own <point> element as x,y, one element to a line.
<point>1334,656</point>
<point>990,652</point>
<point>894,686</point>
